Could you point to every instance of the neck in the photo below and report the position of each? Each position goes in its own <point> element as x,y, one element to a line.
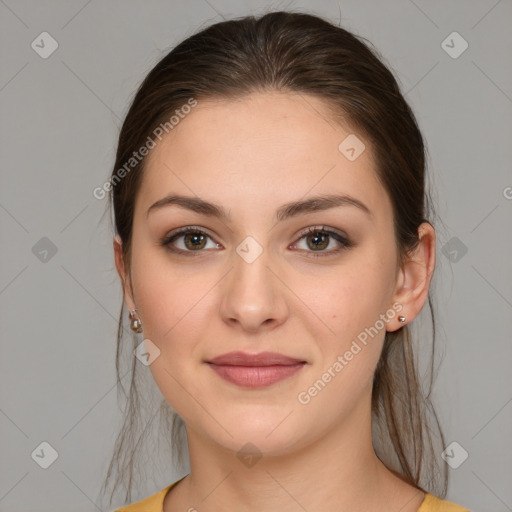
<point>337,471</point>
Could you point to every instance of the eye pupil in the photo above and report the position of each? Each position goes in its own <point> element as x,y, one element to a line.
<point>317,235</point>
<point>195,237</point>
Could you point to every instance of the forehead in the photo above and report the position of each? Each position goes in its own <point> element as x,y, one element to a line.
<point>267,148</point>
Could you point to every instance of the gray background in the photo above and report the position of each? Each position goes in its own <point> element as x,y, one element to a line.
<point>59,120</point>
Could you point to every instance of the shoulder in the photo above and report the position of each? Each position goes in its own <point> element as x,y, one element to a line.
<point>432,503</point>
<point>153,503</point>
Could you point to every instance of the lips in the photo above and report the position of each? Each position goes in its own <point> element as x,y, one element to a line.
<point>261,359</point>
<point>255,370</point>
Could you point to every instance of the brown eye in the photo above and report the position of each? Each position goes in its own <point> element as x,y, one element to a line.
<point>317,239</point>
<point>188,240</point>
<point>194,241</point>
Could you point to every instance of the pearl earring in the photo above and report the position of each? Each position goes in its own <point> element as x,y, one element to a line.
<point>135,323</point>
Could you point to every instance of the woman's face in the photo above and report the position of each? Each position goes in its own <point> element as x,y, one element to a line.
<point>257,281</point>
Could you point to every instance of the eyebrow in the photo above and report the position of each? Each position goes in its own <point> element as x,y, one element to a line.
<point>286,211</point>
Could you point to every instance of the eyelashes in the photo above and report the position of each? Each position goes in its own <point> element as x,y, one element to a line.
<point>198,237</point>
<point>184,232</point>
<point>324,232</point>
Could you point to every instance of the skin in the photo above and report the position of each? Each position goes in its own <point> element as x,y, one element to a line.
<point>252,156</point>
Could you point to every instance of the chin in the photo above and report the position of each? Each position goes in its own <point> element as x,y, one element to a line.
<point>266,435</point>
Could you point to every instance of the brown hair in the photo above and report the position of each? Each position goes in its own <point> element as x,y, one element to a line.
<point>299,53</point>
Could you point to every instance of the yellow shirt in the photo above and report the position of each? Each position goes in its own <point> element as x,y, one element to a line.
<point>155,503</point>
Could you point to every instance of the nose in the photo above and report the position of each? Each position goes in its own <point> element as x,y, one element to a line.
<point>253,297</point>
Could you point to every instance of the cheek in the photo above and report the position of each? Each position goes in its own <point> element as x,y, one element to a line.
<point>175,320</point>
<point>350,299</point>
<point>164,292</point>
<point>175,306</point>
<point>350,303</point>
<point>350,306</point>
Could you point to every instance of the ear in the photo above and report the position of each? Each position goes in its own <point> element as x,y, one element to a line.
<point>123,273</point>
<point>413,280</point>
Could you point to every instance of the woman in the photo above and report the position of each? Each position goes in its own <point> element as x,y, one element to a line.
<point>274,244</point>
